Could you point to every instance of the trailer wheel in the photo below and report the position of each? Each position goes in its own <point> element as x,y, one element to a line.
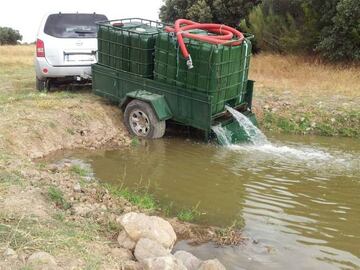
<point>141,120</point>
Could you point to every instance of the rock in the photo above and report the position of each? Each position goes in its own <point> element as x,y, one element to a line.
<point>41,260</point>
<point>125,241</point>
<point>211,265</point>
<point>77,187</point>
<point>9,252</point>
<point>142,226</point>
<point>147,248</point>
<point>163,263</point>
<point>131,265</point>
<point>53,168</point>
<point>122,254</point>
<point>189,260</point>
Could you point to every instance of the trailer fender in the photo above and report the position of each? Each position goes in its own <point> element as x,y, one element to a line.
<point>157,102</point>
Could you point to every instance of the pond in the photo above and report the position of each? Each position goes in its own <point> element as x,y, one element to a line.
<point>296,197</point>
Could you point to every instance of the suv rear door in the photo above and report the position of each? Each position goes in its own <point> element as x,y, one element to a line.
<point>70,39</point>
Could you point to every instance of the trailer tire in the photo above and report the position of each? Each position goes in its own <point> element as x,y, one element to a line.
<point>141,120</point>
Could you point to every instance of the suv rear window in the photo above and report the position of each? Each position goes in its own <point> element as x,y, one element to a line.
<point>73,25</point>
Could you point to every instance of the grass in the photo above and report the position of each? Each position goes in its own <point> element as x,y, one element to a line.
<point>57,196</point>
<point>189,215</point>
<point>231,235</point>
<point>304,76</point>
<point>142,199</point>
<point>80,170</point>
<point>27,233</point>
<point>300,95</point>
<point>17,56</point>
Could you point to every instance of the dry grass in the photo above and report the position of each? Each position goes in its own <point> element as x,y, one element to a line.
<point>302,95</point>
<point>304,76</point>
<point>16,56</point>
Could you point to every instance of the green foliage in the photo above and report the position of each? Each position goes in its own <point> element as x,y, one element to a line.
<point>330,28</point>
<point>341,41</point>
<point>57,196</point>
<point>229,12</point>
<point>9,36</point>
<point>200,12</point>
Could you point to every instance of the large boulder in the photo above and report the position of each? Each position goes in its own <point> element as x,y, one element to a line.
<point>125,241</point>
<point>163,263</point>
<point>139,225</point>
<point>212,265</point>
<point>41,261</point>
<point>189,260</point>
<point>147,248</point>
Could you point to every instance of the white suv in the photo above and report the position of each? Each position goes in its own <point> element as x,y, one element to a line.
<point>66,47</point>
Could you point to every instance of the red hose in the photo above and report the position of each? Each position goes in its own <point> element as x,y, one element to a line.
<point>224,35</point>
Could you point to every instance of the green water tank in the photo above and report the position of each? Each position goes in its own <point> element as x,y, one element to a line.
<point>219,71</point>
<point>128,45</point>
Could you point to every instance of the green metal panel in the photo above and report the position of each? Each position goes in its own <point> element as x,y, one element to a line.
<point>128,45</point>
<point>248,97</point>
<point>219,71</point>
<point>187,107</point>
<point>157,101</point>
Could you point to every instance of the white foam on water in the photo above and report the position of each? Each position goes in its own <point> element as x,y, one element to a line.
<point>259,143</point>
<point>283,151</point>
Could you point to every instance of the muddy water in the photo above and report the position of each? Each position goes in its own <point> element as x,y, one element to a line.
<point>298,197</point>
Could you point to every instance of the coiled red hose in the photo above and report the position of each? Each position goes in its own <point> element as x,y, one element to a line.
<point>224,35</point>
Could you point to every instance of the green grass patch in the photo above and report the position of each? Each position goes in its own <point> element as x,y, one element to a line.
<point>10,178</point>
<point>315,122</point>
<point>57,196</point>
<point>80,170</point>
<point>189,215</point>
<point>143,199</point>
<point>135,141</point>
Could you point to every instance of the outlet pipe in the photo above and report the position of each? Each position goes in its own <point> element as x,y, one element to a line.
<point>223,35</point>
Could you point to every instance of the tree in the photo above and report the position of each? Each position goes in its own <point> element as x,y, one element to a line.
<point>341,39</point>
<point>330,28</point>
<point>173,9</point>
<point>229,12</point>
<point>9,36</point>
<point>199,12</point>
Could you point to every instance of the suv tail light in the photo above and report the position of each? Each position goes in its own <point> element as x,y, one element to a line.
<point>40,48</point>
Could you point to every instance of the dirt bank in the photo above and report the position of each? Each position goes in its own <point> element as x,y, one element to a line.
<point>43,123</point>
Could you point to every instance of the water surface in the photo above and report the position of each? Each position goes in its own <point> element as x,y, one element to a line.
<point>297,197</point>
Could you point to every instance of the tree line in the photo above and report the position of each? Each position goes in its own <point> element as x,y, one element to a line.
<point>9,36</point>
<point>329,28</point>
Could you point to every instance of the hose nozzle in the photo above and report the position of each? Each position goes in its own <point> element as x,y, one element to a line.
<point>189,63</point>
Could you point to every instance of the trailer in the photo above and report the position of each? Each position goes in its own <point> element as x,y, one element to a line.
<point>134,77</point>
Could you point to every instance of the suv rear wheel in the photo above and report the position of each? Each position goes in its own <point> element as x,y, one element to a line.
<point>42,85</point>
<point>141,120</point>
